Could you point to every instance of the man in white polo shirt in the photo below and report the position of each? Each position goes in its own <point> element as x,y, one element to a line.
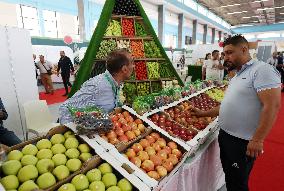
<point>247,113</point>
<point>213,67</point>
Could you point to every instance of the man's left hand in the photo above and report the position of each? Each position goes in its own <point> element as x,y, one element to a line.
<point>254,148</point>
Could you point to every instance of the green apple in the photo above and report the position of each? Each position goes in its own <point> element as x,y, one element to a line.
<point>109,179</point>
<point>105,168</point>
<point>28,172</point>
<point>28,185</point>
<point>67,187</point>
<point>94,175</point>
<point>11,167</point>
<point>45,180</point>
<point>57,139</point>
<point>30,149</point>
<point>114,188</point>
<point>45,165</point>
<point>58,149</point>
<point>59,159</point>
<point>69,134</point>
<point>15,155</point>
<point>85,156</point>
<point>124,185</point>
<point>43,144</point>
<point>10,182</point>
<point>97,186</point>
<point>61,172</point>
<point>72,153</point>
<point>84,148</point>
<point>73,164</point>
<point>71,142</point>
<point>80,182</point>
<point>29,159</point>
<point>44,154</point>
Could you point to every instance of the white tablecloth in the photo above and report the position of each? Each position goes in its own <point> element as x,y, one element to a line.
<point>203,172</point>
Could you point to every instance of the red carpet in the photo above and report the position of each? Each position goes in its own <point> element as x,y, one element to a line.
<point>55,98</point>
<point>267,172</point>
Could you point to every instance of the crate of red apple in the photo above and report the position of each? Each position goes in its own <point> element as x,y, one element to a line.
<point>155,154</point>
<point>126,128</point>
<point>204,102</point>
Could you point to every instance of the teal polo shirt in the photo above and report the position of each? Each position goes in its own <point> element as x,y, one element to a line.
<point>241,108</point>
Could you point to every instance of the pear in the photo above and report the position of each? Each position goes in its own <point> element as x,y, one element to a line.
<point>84,148</point>
<point>97,185</point>
<point>61,172</point>
<point>43,144</point>
<point>67,187</point>
<point>28,185</point>
<point>71,142</point>
<point>45,165</point>
<point>69,134</point>
<point>94,175</point>
<point>45,180</point>
<point>109,179</point>
<point>124,185</point>
<point>10,182</point>
<point>85,156</point>
<point>113,188</point>
<point>58,149</point>
<point>59,159</point>
<point>28,172</point>
<point>80,182</point>
<point>11,167</point>
<point>73,164</point>
<point>15,155</point>
<point>72,153</point>
<point>57,139</point>
<point>105,168</point>
<point>29,159</point>
<point>44,154</point>
<point>30,149</point>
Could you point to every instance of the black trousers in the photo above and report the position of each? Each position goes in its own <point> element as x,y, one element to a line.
<point>66,81</point>
<point>236,164</point>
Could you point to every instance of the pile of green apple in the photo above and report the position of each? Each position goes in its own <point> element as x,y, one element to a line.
<point>217,94</point>
<point>41,165</point>
<point>98,179</point>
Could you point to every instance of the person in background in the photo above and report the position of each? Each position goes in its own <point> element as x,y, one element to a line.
<point>222,71</point>
<point>247,112</point>
<point>7,137</point>
<point>207,57</point>
<point>45,69</point>
<point>102,90</point>
<point>66,66</point>
<point>273,61</point>
<point>213,67</point>
<point>280,68</point>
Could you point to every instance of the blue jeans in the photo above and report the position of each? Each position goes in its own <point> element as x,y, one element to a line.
<point>8,138</point>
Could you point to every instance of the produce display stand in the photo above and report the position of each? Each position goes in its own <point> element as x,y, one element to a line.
<point>128,27</point>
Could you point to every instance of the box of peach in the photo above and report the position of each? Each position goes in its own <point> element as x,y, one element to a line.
<point>127,129</point>
<point>154,158</point>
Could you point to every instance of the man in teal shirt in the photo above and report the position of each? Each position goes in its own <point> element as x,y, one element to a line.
<point>247,113</point>
<point>101,90</point>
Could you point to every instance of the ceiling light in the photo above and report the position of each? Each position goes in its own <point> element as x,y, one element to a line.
<point>259,1</point>
<point>265,9</point>
<point>281,13</point>
<point>246,17</point>
<point>255,21</point>
<point>237,4</point>
<point>246,25</point>
<point>244,11</point>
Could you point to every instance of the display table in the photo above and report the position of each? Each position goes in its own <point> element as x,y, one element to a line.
<point>201,172</point>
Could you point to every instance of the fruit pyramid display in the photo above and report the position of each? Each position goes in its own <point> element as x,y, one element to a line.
<point>99,179</point>
<point>129,28</point>
<point>154,155</point>
<point>43,164</point>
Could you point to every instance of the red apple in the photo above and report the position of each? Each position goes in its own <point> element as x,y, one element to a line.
<point>123,138</point>
<point>130,153</point>
<point>177,153</point>
<point>162,143</point>
<point>113,141</point>
<point>154,174</point>
<point>155,135</point>
<point>168,165</point>
<point>143,155</point>
<point>150,150</point>
<point>130,135</point>
<point>119,131</point>
<point>136,161</point>
<point>162,171</point>
<point>133,125</point>
<point>167,149</point>
<point>156,146</point>
<point>114,118</point>
<point>144,143</point>
<point>173,158</point>
<point>126,127</point>
<point>125,114</point>
<point>111,135</point>
<point>141,128</point>
<point>122,121</point>
<point>157,160</point>
<point>137,132</point>
<point>138,121</point>
<point>137,147</point>
<point>150,139</point>
<point>148,165</point>
<point>117,124</point>
<point>129,119</point>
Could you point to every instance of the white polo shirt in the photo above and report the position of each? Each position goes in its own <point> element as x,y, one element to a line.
<point>212,73</point>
